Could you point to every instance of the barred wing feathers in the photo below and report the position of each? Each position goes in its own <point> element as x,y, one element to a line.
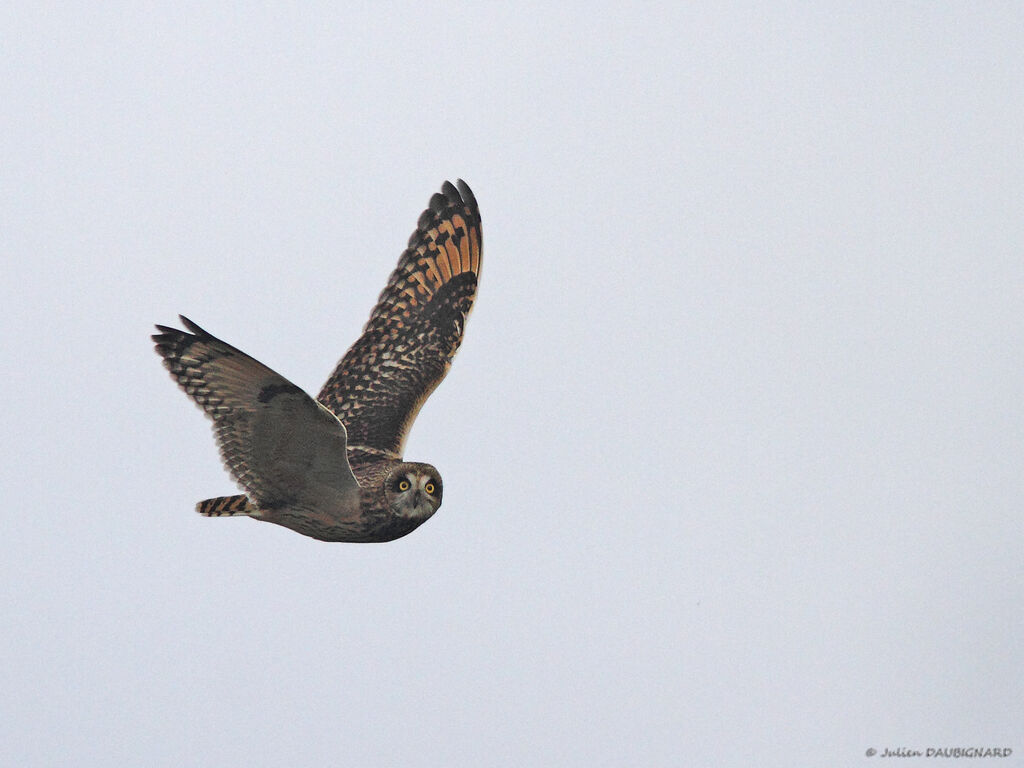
<point>284,449</point>
<point>414,330</point>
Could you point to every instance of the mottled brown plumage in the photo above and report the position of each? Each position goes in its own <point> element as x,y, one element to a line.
<point>414,331</point>
<point>332,469</point>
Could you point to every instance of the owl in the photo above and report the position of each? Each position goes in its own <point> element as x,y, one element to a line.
<point>332,468</point>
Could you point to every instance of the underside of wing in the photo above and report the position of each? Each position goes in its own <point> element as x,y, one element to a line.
<point>283,448</point>
<point>414,331</point>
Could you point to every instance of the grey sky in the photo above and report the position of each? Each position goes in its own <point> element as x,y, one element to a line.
<point>732,452</point>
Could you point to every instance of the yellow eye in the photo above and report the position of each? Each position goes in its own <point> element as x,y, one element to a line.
<point>429,488</point>
<point>403,485</point>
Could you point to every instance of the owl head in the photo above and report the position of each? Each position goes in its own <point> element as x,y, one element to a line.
<point>413,490</point>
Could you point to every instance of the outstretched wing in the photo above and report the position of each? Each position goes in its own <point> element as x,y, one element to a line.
<point>284,449</point>
<point>414,331</point>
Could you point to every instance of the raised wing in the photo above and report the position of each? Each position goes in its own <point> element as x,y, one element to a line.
<point>284,449</point>
<point>414,331</point>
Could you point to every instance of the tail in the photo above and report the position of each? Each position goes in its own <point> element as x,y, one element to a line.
<point>224,506</point>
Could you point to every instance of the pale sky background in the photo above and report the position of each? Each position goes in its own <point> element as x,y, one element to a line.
<point>732,452</point>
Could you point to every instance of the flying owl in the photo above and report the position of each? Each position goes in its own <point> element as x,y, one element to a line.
<point>332,468</point>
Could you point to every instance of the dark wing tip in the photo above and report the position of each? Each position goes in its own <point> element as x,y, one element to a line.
<point>451,193</point>
<point>170,340</point>
<point>173,341</point>
<point>199,332</point>
<point>193,330</point>
<point>459,193</point>
<point>467,196</point>
<point>438,202</point>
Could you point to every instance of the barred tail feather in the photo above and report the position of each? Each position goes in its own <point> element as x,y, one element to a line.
<point>224,506</point>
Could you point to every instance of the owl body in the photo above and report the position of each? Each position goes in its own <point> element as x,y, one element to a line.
<point>385,511</point>
<point>332,468</point>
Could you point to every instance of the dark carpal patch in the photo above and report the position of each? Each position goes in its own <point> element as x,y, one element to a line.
<point>271,391</point>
